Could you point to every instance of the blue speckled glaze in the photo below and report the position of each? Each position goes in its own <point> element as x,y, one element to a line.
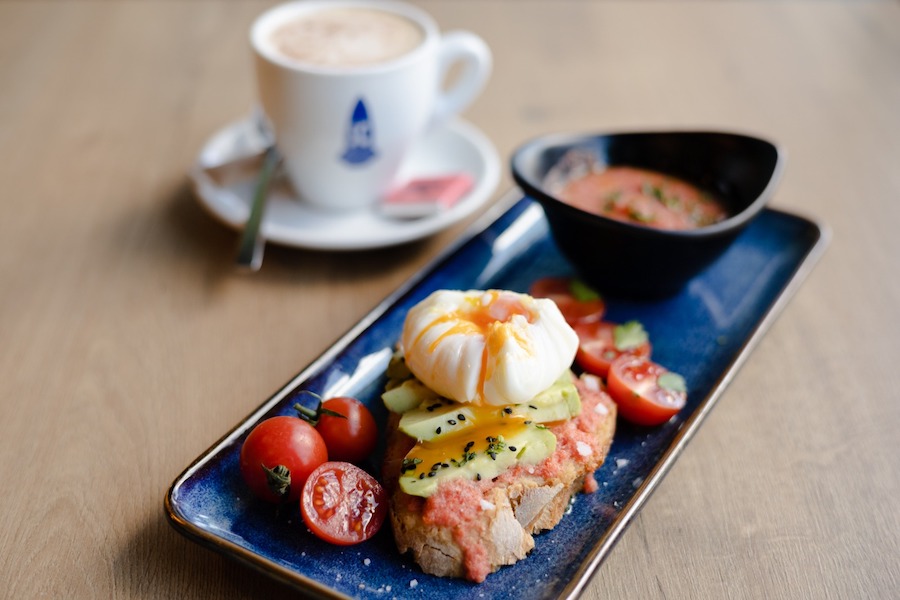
<point>702,333</point>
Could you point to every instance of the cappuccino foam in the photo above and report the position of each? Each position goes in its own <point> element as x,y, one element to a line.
<point>346,37</point>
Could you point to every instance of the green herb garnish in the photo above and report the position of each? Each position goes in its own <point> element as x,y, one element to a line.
<point>582,291</point>
<point>467,455</point>
<point>495,446</point>
<point>672,382</point>
<point>630,335</point>
<point>638,216</point>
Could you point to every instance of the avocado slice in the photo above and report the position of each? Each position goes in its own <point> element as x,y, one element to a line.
<point>548,413</point>
<point>408,395</point>
<point>563,389</point>
<point>484,454</point>
<point>438,417</point>
<point>397,370</point>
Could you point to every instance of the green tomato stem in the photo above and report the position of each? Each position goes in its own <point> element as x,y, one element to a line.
<point>312,416</point>
<point>278,480</point>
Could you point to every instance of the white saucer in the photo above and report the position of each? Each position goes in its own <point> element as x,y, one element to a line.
<point>456,147</point>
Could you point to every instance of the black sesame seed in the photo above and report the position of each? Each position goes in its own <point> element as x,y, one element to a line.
<point>478,476</point>
<point>493,455</point>
<point>513,448</point>
<point>469,445</point>
<point>507,410</point>
<point>421,475</point>
<point>532,407</point>
<point>461,417</point>
<point>445,465</point>
<point>528,422</point>
<point>451,421</point>
<point>432,474</point>
<point>438,430</point>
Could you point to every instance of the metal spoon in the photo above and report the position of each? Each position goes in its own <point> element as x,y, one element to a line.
<point>252,245</point>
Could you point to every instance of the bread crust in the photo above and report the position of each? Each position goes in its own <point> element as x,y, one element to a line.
<point>469,529</point>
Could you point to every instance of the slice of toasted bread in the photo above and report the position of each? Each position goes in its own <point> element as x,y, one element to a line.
<point>470,529</point>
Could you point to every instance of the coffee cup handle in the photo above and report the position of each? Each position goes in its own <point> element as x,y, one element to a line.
<point>475,57</point>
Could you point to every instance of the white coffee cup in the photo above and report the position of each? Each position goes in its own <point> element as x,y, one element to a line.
<point>344,129</point>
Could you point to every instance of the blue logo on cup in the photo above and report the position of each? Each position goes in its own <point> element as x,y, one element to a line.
<point>360,143</point>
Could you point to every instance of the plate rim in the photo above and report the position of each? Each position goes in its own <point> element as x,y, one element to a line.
<point>607,541</point>
<point>234,551</point>
<point>484,187</point>
<point>601,549</point>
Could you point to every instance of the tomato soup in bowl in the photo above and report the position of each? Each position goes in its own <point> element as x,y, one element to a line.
<point>640,214</point>
<point>643,197</point>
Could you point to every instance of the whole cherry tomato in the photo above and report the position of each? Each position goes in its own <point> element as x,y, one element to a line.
<point>278,456</point>
<point>350,437</point>
<point>343,504</point>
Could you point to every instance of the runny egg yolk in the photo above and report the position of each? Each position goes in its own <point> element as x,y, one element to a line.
<point>484,436</point>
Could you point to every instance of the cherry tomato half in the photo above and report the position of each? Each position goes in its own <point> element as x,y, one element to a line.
<point>597,347</point>
<point>645,392</point>
<point>351,438</point>
<point>576,302</point>
<point>276,445</point>
<point>343,504</point>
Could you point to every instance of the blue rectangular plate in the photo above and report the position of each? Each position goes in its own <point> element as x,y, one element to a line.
<point>704,333</point>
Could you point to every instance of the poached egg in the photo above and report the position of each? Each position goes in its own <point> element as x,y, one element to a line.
<point>492,347</point>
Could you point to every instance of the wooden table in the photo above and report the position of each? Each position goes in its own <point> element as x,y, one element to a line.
<point>129,346</point>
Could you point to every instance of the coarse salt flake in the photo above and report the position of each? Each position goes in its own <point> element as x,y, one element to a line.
<point>601,409</point>
<point>583,449</point>
<point>485,505</point>
<point>591,382</point>
<point>367,562</point>
<point>413,583</point>
<point>622,462</point>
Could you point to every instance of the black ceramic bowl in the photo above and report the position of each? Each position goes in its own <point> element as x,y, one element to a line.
<point>637,261</point>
